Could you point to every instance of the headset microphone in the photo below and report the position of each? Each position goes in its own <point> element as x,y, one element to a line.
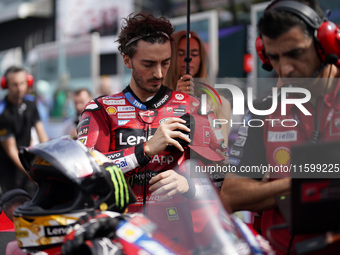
<point>332,59</point>
<point>267,67</point>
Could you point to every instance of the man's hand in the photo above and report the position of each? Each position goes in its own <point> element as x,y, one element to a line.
<point>168,184</point>
<point>185,84</point>
<point>164,136</point>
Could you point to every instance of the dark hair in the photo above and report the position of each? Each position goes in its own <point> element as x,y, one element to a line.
<point>274,22</point>
<point>78,91</point>
<point>145,27</point>
<point>14,69</point>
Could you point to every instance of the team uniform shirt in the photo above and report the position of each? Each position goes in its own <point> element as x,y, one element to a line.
<point>271,145</point>
<point>15,121</point>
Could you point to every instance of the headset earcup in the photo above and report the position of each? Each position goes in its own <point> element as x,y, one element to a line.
<point>328,37</point>
<point>261,52</point>
<point>30,80</point>
<point>29,77</point>
<point>3,82</point>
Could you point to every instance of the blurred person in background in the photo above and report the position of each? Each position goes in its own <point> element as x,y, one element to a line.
<point>178,79</point>
<point>17,116</point>
<point>80,98</point>
<point>105,86</point>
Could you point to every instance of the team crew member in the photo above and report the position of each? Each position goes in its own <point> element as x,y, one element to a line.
<point>17,116</point>
<point>288,30</point>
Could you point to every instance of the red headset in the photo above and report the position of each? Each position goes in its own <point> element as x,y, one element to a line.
<point>326,35</point>
<point>29,77</point>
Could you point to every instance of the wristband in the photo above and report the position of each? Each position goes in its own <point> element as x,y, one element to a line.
<point>144,152</point>
<point>142,158</point>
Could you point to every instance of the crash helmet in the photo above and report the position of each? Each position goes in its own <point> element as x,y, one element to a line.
<point>72,181</point>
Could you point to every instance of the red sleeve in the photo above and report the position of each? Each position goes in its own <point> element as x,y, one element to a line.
<point>94,131</point>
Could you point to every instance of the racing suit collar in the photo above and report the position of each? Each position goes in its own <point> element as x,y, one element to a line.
<point>162,96</point>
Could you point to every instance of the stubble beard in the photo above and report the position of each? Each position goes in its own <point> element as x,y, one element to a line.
<point>140,83</point>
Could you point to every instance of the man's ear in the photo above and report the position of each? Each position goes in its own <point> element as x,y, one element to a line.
<point>127,61</point>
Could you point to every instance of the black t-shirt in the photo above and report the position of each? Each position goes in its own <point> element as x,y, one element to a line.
<point>17,121</point>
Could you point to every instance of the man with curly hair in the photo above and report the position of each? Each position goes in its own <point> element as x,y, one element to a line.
<point>137,126</point>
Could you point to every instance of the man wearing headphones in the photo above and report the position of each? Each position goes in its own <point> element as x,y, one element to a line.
<point>17,116</point>
<point>297,42</point>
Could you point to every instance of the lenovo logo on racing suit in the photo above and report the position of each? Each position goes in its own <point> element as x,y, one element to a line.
<point>131,140</point>
<point>162,101</point>
<point>130,137</point>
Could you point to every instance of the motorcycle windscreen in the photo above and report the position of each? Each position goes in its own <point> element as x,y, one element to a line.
<point>199,224</point>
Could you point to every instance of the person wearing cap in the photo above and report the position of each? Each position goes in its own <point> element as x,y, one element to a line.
<point>296,42</point>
